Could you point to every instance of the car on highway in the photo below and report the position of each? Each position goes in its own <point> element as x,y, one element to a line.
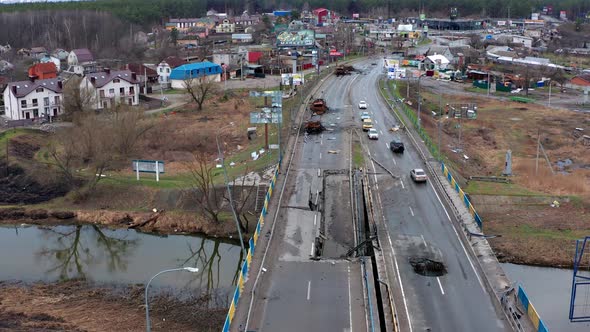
<point>396,145</point>
<point>418,175</point>
<point>367,124</point>
<point>373,134</point>
<point>365,115</point>
<point>363,105</point>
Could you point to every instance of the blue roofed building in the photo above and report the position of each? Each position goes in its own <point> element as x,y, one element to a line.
<point>195,71</point>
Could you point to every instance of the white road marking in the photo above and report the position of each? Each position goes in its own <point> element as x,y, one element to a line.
<point>400,284</point>
<point>312,245</point>
<point>320,155</point>
<point>440,285</point>
<point>308,289</point>
<point>317,196</point>
<point>376,122</point>
<point>349,301</point>
<point>460,242</point>
<point>424,241</point>
<point>402,182</point>
<point>374,171</point>
<point>387,145</point>
<point>412,212</point>
<point>315,217</point>
<point>381,131</point>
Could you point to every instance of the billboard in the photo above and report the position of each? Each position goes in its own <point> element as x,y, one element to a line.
<point>266,117</point>
<point>148,166</point>
<point>296,38</point>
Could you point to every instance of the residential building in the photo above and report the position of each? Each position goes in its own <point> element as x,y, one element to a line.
<point>581,80</point>
<point>241,38</point>
<point>436,62</point>
<point>165,68</point>
<point>198,70</point>
<point>43,71</point>
<point>80,56</point>
<point>60,54</point>
<point>81,62</point>
<point>185,24</point>
<point>143,72</point>
<point>52,59</point>
<point>226,26</point>
<point>229,58</point>
<point>109,88</point>
<point>33,99</point>
<point>246,20</point>
<point>38,52</point>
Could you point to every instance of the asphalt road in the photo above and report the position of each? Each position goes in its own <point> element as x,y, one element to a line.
<point>420,226</point>
<point>296,293</point>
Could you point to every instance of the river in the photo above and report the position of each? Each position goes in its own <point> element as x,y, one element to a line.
<point>549,290</point>
<point>117,257</point>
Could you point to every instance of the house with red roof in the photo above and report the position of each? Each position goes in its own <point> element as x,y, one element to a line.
<point>43,71</point>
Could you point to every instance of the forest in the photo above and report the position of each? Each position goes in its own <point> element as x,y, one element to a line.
<point>148,12</point>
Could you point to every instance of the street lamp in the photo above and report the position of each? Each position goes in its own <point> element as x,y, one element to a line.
<point>148,325</point>
<point>226,179</point>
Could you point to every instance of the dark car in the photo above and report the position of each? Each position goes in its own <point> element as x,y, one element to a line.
<point>396,145</point>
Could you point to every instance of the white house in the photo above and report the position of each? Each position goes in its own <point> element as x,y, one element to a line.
<point>109,88</point>
<point>33,99</point>
<point>164,73</point>
<point>81,61</point>
<point>226,26</point>
<point>436,62</point>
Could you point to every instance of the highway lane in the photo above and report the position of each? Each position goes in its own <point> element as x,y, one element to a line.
<point>298,293</point>
<point>419,225</point>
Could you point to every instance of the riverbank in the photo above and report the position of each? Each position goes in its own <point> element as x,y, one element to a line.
<point>80,306</point>
<point>161,222</point>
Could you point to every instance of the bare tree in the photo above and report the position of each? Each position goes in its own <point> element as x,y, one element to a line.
<point>242,200</point>
<point>205,192</point>
<point>199,89</point>
<point>127,127</point>
<point>75,100</point>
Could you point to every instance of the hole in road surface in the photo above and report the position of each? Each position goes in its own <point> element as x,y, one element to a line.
<point>428,267</point>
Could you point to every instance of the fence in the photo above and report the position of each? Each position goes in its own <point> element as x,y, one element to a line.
<point>531,311</point>
<point>252,247</point>
<point>462,194</point>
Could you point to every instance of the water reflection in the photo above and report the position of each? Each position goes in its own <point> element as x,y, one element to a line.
<point>72,253</point>
<point>118,257</point>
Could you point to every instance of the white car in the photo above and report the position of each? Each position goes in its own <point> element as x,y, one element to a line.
<point>418,175</point>
<point>363,105</point>
<point>373,134</point>
<point>365,115</point>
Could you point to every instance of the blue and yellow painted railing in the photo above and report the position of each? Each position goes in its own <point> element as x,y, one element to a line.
<point>531,311</point>
<point>461,193</point>
<point>248,261</point>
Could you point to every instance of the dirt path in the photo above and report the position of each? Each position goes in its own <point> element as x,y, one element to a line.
<point>78,306</point>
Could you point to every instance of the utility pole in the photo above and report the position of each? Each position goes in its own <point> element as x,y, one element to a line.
<point>550,84</point>
<point>538,148</point>
<point>489,84</point>
<point>419,103</point>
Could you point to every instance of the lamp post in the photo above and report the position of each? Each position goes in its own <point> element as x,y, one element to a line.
<point>148,325</point>
<point>419,102</point>
<point>226,179</point>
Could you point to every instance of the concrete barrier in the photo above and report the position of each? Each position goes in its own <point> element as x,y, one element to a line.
<point>461,193</point>
<point>531,311</point>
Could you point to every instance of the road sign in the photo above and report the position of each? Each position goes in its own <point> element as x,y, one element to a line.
<point>148,166</point>
<point>266,117</point>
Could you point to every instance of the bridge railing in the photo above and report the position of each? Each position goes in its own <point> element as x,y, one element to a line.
<point>531,311</point>
<point>252,244</point>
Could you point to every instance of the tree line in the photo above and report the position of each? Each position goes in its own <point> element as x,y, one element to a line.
<point>147,12</point>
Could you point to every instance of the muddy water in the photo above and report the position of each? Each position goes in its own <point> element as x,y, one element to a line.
<point>117,257</point>
<point>549,290</point>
